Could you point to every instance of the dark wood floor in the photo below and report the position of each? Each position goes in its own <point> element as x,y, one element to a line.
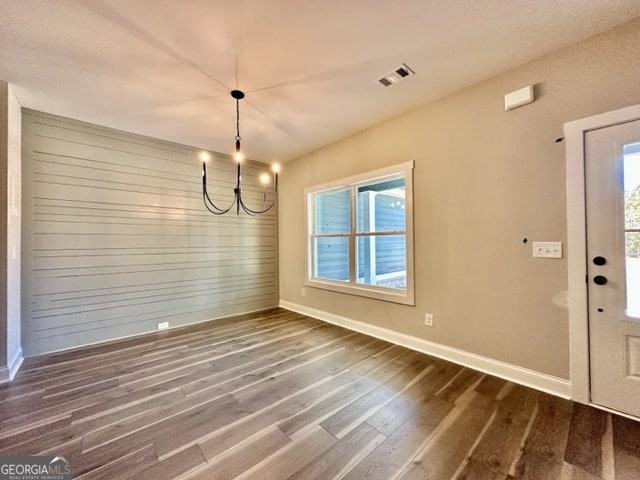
<point>278,395</point>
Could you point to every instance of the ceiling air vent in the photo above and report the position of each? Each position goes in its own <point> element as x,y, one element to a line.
<point>393,76</point>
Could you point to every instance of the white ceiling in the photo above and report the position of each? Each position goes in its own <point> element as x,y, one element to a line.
<point>164,68</point>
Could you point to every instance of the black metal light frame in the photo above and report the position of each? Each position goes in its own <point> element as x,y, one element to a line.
<point>237,191</point>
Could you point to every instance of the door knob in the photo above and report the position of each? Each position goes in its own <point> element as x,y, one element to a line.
<point>600,280</point>
<point>599,260</point>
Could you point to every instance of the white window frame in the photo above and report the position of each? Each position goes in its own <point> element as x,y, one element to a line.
<point>405,296</point>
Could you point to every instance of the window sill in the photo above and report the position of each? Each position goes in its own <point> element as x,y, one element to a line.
<point>403,297</point>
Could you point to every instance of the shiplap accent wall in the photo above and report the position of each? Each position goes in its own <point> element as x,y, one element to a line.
<point>116,238</point>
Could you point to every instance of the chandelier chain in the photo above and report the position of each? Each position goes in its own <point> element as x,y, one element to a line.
<point>237,119</point>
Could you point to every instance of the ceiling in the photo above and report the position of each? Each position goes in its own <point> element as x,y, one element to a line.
<point>164,68</point>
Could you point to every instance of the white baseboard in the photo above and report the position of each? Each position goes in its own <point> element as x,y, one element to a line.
<point>524,376</point>
<point>15,363</point>
<point>9,372</point>
<point>147,332</point>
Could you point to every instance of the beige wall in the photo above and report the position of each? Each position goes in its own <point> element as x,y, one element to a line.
<point>485,179</point>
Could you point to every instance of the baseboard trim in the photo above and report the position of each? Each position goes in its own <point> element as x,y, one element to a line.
<point>530,378</point>
<point>15,363</point>
<point>148,332</point>
<point>8,373</point>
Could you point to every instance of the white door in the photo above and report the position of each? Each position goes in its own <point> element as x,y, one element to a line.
<point>612,172</point>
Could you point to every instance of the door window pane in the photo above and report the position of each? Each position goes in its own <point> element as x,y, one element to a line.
<point>631,170</point>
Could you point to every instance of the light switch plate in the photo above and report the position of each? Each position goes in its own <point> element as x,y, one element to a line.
<point>547,249</point>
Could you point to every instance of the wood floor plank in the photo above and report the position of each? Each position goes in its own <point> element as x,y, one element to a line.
<point>129,411</point>
<point>315,414</point>
<point>276,394</point>
<point>125,467</point>
<point>273,414</point>
<point>500,443</point>
<point>393,454</point>
<point>338,400</point>
<point>60,402</point>
<point>532,467</point>
<point>359,349</point>
<point>117,446</point>
<point>459,384</point>
<point>412,400</point>
<point>244,456</point>
<point>172,414</point>
<point>550,430</point>
<point>41,443</point>
<point>187,435</point>
<point>627,464</point>
<point>626,434</point>
<point>572,472</point>
<point>442,456</point>
<point>287,353</point>
<point>342,421</point>
<point>626,443</point>
<point>275,388</point>
<point>239,363</point>
<point>194,401</point>
<point>291,458</point>
<point>342,455</point>
<point>44,409</point>
<point>490,386</point>
<point>8,439</point>
<point>146,397</point>
<point>174,466</point>
<point>584,444</point>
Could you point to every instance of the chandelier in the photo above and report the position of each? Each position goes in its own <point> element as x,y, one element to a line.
<point>238,201</point>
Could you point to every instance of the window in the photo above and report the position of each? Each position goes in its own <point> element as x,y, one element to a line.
<point>360,235</point>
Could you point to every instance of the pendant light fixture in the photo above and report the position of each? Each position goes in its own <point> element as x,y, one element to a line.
<point>238,201</point>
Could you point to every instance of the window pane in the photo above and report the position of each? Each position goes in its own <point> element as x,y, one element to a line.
<point>332,258</point>
<point>333,212</point>
<point>381,206</point>
<point>633,273</point>
<point>382,261</point>
<point>631,170</point>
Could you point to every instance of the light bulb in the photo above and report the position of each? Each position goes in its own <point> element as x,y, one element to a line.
<point>264,178</point>
<point>275,167</point>
<point>238,156</point>
<point>204,156</point>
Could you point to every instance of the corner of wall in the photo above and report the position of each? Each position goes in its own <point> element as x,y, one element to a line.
<point>12,201</point>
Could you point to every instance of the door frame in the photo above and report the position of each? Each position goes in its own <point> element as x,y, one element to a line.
<point>574,133</point>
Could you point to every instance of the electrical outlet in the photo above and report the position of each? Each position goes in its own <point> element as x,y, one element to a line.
<point>428,319</point>
<point>163,325</point>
